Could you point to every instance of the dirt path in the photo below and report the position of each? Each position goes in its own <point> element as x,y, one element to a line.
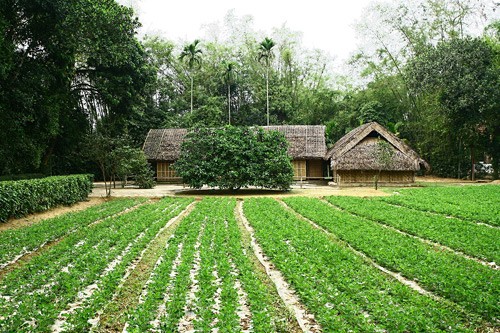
<point>37,217</point>
<point>306,320</point>
<point>308,190</point>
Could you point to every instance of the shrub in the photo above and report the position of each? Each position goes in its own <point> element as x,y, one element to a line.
<point>22,197</point>
<point>133,162</point>
<point>235,157</point>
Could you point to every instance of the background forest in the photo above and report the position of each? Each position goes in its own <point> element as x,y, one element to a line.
<point>428,70</point>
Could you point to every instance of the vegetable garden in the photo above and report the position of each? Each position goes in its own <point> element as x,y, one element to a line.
<point>417,261</point>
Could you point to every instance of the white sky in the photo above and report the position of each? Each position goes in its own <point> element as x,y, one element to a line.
<point>327,25</point>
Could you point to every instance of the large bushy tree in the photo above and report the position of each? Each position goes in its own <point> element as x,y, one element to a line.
<point>65,66</point>
<point>235,157</point>
<point>461,73</point>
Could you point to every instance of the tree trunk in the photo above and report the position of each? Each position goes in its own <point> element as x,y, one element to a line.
<point>46,165</point>
<point>495,165</point>
<point>459,158</point>
<point>229,102</point>
<point>107,189</point>
<point>473,168</point>
<point>191,94</point>
<point>267,93</point>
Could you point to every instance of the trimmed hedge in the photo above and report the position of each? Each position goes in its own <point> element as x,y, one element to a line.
<point>22,197</point>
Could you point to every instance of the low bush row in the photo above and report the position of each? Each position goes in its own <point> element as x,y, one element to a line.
<point>22,197</point>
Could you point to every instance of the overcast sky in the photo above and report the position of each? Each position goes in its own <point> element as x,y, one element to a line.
<point>327,25</point>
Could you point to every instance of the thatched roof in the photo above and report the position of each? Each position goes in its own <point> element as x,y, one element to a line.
<point>357,150</point>
<point>164,144</point>
<point>306,142</point>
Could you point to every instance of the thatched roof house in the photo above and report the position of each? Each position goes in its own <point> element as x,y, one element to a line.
<point>164,144</point>
<point>307,149</point>
<point>356,158</point>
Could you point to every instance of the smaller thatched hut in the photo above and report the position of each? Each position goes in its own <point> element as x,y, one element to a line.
<point>162,148</point>
<point>356,158</point>
<point>307,149</point>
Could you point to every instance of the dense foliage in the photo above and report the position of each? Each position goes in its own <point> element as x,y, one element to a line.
<point>65,67</point>
<point>462,76</point>
<point>18,198</point>
<point>116,159</point>
<point>235,157</point>
<point>69,68</point>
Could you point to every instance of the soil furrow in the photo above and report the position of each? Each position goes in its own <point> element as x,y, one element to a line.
<point>306,320</point>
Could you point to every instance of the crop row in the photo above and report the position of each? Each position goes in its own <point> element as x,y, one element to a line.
<point>468,237</point>
<point>204,280</point>
<point>466,282</point>
<point>17,242</point>
<point>344,292</point>
<point>483,195</point>
<point>474,203</point>
<point>76,277</point>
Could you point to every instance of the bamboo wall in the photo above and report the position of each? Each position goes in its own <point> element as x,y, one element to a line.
<point>367,176</point>
<point>165,172</point>
<point>315,169</point>
<point>307,169</point>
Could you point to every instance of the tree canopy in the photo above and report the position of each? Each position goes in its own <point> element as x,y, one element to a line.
<point>70,68</point>
<point>234,157</point>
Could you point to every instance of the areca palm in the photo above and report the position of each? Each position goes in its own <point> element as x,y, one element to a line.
<point>229,69</point>
<point>191,54</point>
<point>266,57</point>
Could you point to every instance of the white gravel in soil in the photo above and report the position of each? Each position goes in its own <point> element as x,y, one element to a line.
<point>306,320</point>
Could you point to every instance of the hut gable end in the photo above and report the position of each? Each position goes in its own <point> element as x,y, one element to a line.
<point>357,151</point>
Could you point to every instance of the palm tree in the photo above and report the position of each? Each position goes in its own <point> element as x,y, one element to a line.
<point>191,54</point>
<point>229,68</point>
<point>266,56</point>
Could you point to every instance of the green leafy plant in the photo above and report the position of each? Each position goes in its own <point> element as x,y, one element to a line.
<point>342,290</point>
<point>97,255</point>
<point>479,241</point>
<point>461,280</point>
<point>17,242</point>
<point>235,157</point>
<point>472,203</point>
